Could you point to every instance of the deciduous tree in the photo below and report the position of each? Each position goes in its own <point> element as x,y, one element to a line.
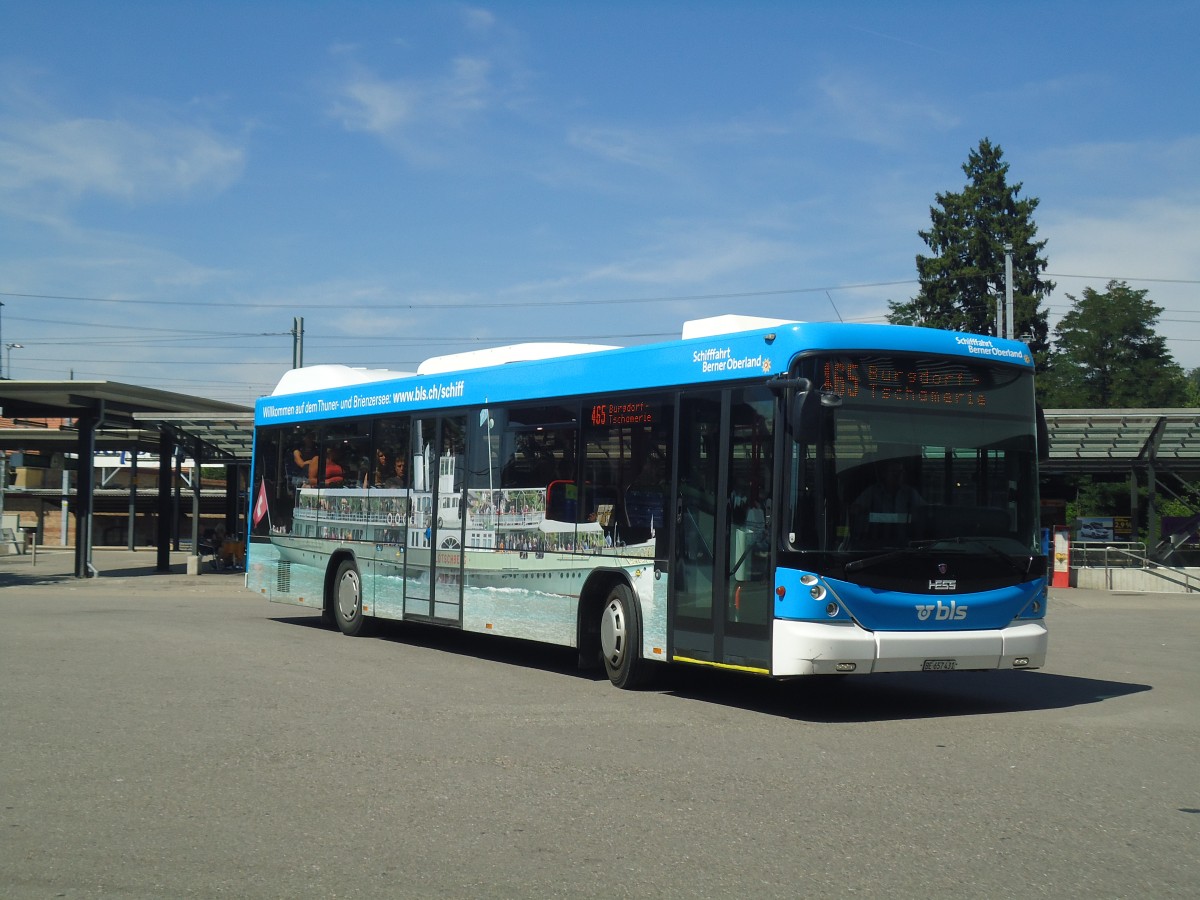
<point>1193,379</point>
<point>1109,355</point>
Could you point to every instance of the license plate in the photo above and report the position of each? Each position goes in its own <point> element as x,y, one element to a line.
<point>939,665</point>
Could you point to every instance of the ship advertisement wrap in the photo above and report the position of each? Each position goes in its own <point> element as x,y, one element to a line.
<point>369,398</point>
<point>494,562</point>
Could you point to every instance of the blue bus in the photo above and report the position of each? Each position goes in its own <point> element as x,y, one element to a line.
<point>766,496</point>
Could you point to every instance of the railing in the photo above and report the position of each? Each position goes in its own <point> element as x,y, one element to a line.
<point>1108,555</point>
<point>1129,555</point>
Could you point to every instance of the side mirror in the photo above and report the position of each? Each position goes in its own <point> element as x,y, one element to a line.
<point>806,412</point>
<point>1043,435</point>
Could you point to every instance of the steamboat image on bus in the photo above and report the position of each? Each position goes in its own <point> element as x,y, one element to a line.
<point>766,496</point>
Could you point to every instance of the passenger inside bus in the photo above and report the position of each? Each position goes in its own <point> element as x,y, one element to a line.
<point>303,464</point>
<point>380,471</point>
<point>396,479</point>
<point>335,475</point>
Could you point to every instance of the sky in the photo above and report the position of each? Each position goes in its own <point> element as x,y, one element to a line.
<point>180,181</point>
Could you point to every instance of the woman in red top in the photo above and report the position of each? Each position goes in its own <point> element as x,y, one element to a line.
<point>334,473</point>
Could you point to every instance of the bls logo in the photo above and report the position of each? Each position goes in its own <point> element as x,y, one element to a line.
<point>941,612</point>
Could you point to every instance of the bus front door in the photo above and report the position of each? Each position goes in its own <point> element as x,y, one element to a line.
<point>721,605</point>
<point>434,558</point>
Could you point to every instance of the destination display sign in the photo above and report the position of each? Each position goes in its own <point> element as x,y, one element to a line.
<point>917,382</point>
<point>616,413</point>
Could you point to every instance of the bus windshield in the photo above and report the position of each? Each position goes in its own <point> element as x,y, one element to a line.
<point>919,452</point>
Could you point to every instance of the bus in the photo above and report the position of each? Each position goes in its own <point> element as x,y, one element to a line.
<point>765,496</point>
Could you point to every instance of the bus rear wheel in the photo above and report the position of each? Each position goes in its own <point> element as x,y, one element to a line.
<point>621,640</point>
<point>348,599</point>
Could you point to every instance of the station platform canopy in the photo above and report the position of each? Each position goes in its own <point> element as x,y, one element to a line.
<point>1123,440</point>
<point>107,415</point>
<point>125,417</point>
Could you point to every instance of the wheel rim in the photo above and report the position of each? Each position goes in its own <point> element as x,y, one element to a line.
<point>613,633</point>
<point>349,595</point>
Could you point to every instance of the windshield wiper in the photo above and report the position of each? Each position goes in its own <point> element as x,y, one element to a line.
<point>977,542</point>
<point>879,558</point>
<point>871,561</point>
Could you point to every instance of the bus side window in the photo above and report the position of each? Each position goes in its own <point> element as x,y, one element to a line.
<point>562,501</point>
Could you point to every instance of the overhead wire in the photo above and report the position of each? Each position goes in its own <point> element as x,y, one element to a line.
<point>458,304</point>
<point>151,336</point>
<point>443,304</point>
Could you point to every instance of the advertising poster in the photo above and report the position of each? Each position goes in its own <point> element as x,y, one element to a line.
<point>1094,529</point>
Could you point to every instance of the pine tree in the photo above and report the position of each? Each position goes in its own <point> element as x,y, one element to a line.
<point>963,280</point>
<point>1108,354</point>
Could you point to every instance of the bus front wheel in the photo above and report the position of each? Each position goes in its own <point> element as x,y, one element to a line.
<point>621,640</point>
<point>347,599</point>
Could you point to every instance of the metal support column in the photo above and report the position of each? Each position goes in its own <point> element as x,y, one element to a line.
<point>1133,502</point>
<point>197,453</point>
<point>84,484</point>
<point>1150,450</point>
<point>166,452</point>
<point>133,476</point>
<point>176,508</point>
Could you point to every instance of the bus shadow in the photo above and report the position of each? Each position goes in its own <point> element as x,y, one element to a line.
<point>821,699</point>
<point>900,696</point>
<point>505,650</point>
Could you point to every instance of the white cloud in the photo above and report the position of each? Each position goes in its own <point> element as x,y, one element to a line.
<point>375,106</point>
<point>1109,173</point>
<point>478,20</point>
<point>709,257</point>
<point>621,145</point>
<point>424,119</point>
<point>468,88</point>
<point>869,113</point>
<point>1151,238</point>
<point>1150,243</point>
<point>433,112</point>
<point>136,162</point>
<point>675,256</point>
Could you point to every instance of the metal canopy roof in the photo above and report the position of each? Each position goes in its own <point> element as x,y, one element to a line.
<point>128,417</point>
<point>112,401</point>
<point>229,436</point>
<point>1117,440</point>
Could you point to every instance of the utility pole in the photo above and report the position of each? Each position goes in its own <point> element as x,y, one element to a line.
<point>298,342</point>
<point>1008,292</point>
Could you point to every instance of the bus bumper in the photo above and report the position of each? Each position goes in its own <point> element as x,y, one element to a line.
<point>828,648</point>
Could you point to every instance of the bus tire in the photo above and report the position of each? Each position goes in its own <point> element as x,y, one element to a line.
<point>621,640</point>
<point>348,599</point>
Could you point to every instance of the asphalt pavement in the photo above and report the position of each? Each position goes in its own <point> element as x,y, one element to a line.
<point>167,735</point>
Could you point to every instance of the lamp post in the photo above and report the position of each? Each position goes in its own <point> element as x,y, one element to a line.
<point>10,348</point>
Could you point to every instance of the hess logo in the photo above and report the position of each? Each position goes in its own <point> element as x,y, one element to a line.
<point>941,612</point>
